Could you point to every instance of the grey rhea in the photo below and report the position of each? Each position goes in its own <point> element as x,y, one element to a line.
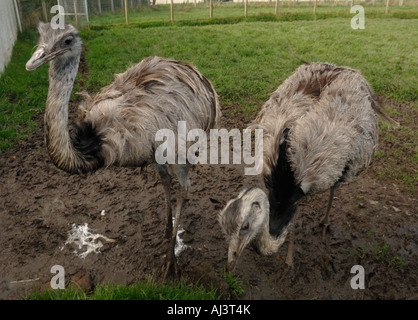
<point>320,129</point>
<point>119,124</point>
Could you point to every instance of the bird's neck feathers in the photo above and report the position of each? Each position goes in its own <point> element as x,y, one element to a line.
<point>283,191</point>
<point>72,154</point>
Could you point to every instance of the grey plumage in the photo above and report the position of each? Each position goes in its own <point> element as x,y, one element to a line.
<point>119,124</point>
<point>320,129</point>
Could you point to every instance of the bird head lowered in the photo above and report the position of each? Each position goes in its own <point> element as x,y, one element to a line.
<point>54,44</point>
<point>244,219</point>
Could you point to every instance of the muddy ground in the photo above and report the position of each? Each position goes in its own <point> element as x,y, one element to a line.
<point>374,224</point>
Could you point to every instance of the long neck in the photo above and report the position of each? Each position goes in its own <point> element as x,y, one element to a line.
<point>266,243</point>
<point>57,137</point>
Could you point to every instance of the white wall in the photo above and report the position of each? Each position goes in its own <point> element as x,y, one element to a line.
<point>8,31</point>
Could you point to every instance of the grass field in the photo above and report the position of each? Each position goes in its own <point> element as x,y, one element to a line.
<point>184,12</point>
<point>139,291</point>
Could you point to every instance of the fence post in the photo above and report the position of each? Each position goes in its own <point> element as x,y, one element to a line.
<point>210,9</point>
<point>75,13</point>
<point>171,11</point>
<point>245,8</point>
<point>18,16</point>
<point>112,6</point>
<point>387,7</point>
<point>126,12</point>
<point>99,5</point>
<point>314,7</point>
<point>44,10</point>
<point>276,9</point>
<point>87,14</point>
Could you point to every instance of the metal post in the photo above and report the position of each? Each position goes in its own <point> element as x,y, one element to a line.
<point>87,13</point>
<point>18,16</point>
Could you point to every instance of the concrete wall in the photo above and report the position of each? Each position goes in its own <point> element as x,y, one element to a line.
<point>8,31</point>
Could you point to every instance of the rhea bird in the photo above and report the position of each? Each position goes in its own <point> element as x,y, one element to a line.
<point>320,129</point>
<point>119,124</point>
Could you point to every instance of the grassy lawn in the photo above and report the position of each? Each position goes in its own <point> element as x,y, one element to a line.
<point>245,61</point>
<point>139,291</point>
<point>227,10</point>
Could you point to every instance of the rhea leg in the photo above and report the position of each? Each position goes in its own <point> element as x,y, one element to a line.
<point>182,172</point>
<point>325,219</point>
<point>166,181</point>
<point>291,235</point>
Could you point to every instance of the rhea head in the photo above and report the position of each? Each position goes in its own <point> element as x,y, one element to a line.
<point>55,44</point>
<point>242,220</point>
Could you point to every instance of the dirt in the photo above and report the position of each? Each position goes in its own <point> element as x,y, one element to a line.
<point>373,224</point>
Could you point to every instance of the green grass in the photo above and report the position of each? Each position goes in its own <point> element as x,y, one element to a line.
<point>139,291</point>
<point>182,12</point>
<point>246,59</point>
<point>22,95</point>
<point>379,250</point>
<point>235,285</point>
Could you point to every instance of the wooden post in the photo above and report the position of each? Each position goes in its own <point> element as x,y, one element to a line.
<point>245,8</point>
<point>171,11</point>
<point>112,6</point>
<point>99,5</point>
<point>44,11</point>
<point>276,9</point>
<point>211,9</point>
<point>387,7</point>
<point>75,13</point>
<point>352,3</point>
<point>314,7</point>
<point>126,12</point>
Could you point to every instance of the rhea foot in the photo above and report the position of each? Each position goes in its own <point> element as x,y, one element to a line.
<point>170,266</point>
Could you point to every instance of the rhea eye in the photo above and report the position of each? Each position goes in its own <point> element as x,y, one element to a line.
<point>244,228</point>
<point>68,41</point>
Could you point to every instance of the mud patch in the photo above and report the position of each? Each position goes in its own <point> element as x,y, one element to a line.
<point>373,223</point>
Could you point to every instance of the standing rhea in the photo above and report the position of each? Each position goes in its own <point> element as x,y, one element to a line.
<point>120,123</point>
<point>320,129</point>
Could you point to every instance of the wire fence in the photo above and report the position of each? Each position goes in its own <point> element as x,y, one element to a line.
<point>84,13</point>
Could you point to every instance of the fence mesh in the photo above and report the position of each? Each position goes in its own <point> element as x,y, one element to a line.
<point>102,12</point>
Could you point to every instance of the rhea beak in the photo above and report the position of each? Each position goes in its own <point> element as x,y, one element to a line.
<point>39,57</point>
<point>234,252</point>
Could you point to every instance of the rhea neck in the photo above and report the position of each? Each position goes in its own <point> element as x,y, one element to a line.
<point>62,73</point>
<point>266,242</point>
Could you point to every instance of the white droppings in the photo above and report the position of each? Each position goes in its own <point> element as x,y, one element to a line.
<point>86,241</point>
